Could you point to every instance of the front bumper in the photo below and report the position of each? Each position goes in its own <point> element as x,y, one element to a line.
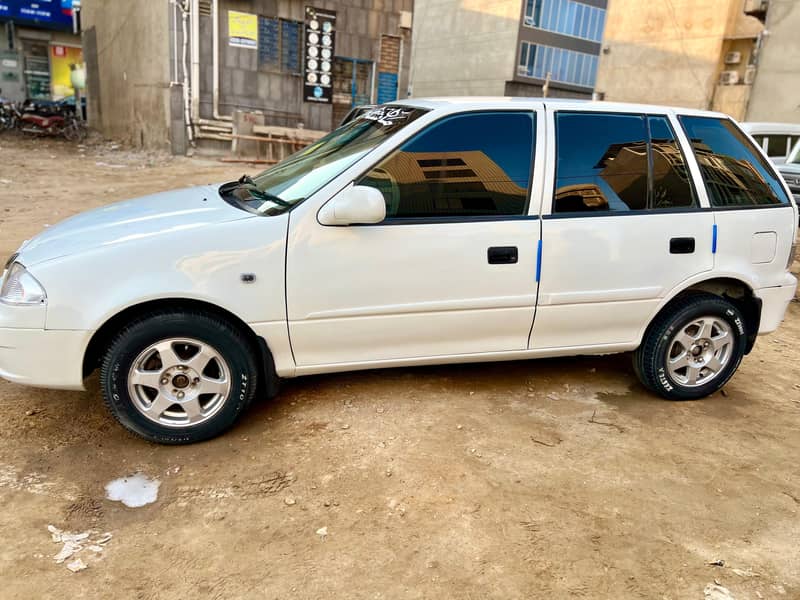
<point>42,358</point>
<point>775,301</point>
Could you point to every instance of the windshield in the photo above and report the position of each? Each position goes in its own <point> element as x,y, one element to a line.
<point>291,181</point>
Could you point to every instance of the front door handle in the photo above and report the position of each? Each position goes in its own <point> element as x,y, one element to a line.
<point>502,255</point>
<point>681,245</point>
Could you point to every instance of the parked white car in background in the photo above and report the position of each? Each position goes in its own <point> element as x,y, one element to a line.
<point>427,231</point>
<point>790,170</point>
<point>776,139</point>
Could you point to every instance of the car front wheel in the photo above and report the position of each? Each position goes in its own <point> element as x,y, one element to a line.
<point>693,348</point>
<point>178,377</point>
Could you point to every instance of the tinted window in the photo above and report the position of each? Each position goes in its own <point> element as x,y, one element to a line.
<point>733,171</point>
<point>475,164</point>
<point>602,162</point>
<point>672,183</point>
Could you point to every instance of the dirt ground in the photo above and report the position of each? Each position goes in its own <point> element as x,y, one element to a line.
<point>542,479</point>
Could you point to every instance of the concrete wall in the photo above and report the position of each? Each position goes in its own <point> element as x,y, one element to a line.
<point>776,91</point>
<point>464,47</point>
<point>127,50</point>
<point>664,52</point>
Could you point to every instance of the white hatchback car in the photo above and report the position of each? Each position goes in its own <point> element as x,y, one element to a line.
<point>422,232</point>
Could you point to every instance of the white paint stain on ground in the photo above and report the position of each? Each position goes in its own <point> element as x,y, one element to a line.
<point>134,491</point>
<point>75,543</point>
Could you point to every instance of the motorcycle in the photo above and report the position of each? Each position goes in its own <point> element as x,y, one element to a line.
<point>51,118</point>
<point>9,115</point>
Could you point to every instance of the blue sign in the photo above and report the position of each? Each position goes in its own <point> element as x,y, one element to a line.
<point>387,87</point>
<point>50,14</point>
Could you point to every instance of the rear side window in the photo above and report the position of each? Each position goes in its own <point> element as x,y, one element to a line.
<point>604,164</point>
<point>469,165</point>
<point>735,174</point>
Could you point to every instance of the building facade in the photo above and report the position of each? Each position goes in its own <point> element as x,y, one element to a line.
<point>40,41</point>
<point>506,47</point>
<point>184,74</point>
<point>693,53</point>
<point>776,89</point>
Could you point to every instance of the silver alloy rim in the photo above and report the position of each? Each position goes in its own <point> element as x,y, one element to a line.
<point>179,382</point>
<point>700,351</point>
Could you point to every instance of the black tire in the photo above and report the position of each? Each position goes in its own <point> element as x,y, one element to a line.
<point>234,348</point>
<point>650,359</point>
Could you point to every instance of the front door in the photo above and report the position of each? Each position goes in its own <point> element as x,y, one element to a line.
<point>452,269</point>
<point>625,228</point>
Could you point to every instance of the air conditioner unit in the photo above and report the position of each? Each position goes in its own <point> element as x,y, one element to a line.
<point>750,76</point>
<point>733,58</point>
<point>729,78</point>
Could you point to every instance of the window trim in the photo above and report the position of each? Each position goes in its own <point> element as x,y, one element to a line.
<point>439,220</point>
<point>696,199</point>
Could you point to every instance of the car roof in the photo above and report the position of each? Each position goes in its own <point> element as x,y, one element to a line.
<point>459,103</point>
<point>767,128</point>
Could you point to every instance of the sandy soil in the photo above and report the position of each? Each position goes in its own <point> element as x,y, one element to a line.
<point>543,479</point>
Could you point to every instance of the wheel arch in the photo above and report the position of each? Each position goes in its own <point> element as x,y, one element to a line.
<point>102,337</point>
<point>732,289</point>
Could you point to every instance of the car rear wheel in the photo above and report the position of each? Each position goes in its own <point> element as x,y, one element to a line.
<point>693,348</point>
<point>179,377</point>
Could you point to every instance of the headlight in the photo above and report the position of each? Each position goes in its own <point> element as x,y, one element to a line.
<point>20,287</point>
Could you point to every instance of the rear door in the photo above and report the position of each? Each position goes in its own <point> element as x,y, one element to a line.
<point>624,227</point>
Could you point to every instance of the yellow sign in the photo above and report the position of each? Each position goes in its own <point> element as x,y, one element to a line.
<point>242,29</point>
<point>61,57</point>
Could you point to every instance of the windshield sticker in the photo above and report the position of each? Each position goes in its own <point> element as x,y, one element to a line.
<point>386,115</point>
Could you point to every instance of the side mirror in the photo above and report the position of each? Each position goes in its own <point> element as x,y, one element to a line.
<point>356,204</point>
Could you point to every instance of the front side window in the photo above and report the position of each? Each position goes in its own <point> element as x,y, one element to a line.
<point>735,174</point>
<point>291,181</point>
<point>469,165</point>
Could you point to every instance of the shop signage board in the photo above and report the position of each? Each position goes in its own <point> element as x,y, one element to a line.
<point>61,59</point>
<point>242,30</point>
<point>50,14</point>
<point>320,40</point>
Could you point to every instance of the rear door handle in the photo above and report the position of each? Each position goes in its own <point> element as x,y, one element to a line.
<point>681,245</point>
<point>502,255</point>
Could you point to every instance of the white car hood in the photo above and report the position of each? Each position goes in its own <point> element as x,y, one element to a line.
<point>125,222</point>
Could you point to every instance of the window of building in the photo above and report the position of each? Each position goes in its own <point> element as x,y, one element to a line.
<point>734,173</point>
<point>568,17</point>
<point>565,66</point>
<point>470,165</point>
<point>671,181</point>
<point>280,45</point>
